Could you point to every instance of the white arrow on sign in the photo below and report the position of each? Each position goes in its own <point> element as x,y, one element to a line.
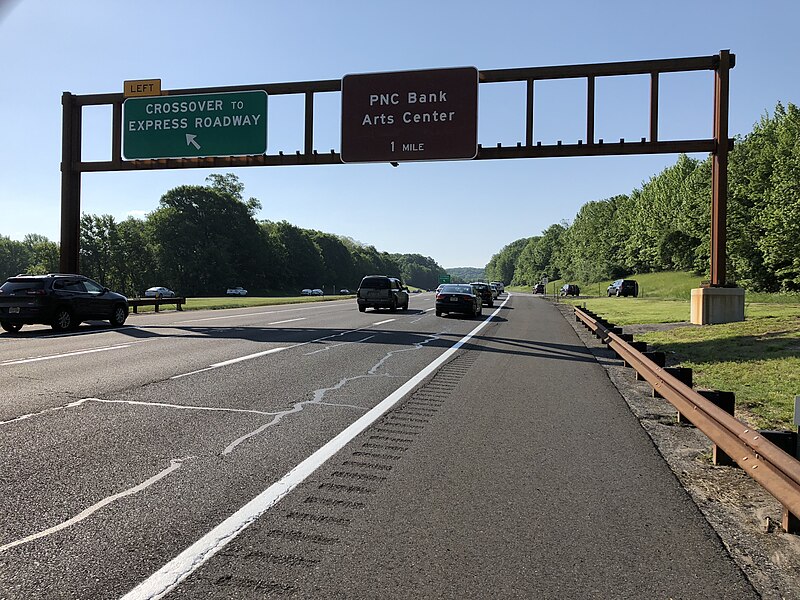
<point>190,140</point>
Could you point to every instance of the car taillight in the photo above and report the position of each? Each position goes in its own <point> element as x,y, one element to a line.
<point>439,297</point>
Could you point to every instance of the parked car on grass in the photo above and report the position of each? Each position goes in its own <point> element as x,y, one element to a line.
<point>458,298</point>
<point>570,289</point>
<point>380,291</point>
<point>538,288</point>
<point>623,287</point>
<point>483,289</point>
<point>62,301</point>
<point>236,291</point>
<point>305,292</point>
<point>317,292</point>
<point>159,292</point>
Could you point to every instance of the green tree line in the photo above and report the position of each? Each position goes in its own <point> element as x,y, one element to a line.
<point>666,223</point>
<point>203,239</point>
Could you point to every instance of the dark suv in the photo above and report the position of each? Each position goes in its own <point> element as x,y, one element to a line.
<point>59,300</point>
<point>623,287</point>
<point>380,291</point>
<point>570,289</point>
<point>485,292</point>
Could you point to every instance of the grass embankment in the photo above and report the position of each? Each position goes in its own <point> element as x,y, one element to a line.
<point>243,302</point>
<point>757,359</point>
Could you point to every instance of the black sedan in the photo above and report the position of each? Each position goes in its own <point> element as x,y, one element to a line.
<point>458,298</point>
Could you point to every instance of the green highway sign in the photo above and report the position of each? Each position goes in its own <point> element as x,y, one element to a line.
<point>220,124</point>
<point>444,278</point>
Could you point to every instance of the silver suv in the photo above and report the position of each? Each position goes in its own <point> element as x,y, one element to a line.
<point>380,291</point>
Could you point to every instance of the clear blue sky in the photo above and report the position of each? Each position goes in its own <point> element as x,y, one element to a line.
<point>459,212</point>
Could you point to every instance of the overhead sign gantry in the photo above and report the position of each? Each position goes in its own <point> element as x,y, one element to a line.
<point>400,127</point>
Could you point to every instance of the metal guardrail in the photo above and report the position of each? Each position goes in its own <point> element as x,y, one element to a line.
<point>135,303</point>
<point>775,470</point>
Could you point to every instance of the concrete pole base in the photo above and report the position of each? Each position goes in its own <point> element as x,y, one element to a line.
<point>717,305</point>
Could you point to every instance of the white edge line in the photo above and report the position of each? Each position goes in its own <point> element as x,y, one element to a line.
<point>184,564</point>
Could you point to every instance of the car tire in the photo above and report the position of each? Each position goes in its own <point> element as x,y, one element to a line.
<point>405,306</point>
<point>619,293</point>
<point>480,310</point>
<point>362,308</point>
<point>118,316</point>
<point>11,327</point>
<point>393,305</point>
<point>438,313</point>
<point>491,303</point>
<point>63,320</point>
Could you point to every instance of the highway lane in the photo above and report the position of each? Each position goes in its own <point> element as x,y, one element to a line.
<point>514,470</point>
<point>120,447</point>
<point>41,370</point>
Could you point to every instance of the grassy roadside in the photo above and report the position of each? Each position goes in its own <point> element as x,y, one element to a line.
<point>757,359</point>
<point>244,302</point>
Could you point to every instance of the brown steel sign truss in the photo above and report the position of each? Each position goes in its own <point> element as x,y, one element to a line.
<point>450,103</point>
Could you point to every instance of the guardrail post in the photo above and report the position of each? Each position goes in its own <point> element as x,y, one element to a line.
<point>790,521</point>
<point>727,402</point>
<point>656,356</point>
<point>682,374</point>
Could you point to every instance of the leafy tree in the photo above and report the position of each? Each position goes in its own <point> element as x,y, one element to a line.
<point>205,237</point>
<point>502,265</point>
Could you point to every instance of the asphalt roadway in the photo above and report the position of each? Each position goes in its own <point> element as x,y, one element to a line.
<point>312,451</point>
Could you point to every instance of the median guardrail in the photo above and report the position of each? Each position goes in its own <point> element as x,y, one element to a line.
<point>774,469</point>
<point>135,303</point>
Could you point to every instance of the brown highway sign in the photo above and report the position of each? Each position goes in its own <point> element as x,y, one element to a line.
<point>410,115</point>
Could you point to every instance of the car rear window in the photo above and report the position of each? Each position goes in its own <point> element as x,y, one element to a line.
<point>455,289</point>
<point>378,283</point>
<point>19,286</point>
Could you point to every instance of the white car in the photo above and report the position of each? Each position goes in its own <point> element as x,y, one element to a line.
<point>237,291</point>
<point>317,292</point>
<point>305,292</point>
<point>159,292</point>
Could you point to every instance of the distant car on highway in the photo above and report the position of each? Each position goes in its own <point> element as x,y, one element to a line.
<point>458,298</point>
<point>305,292</point>
<point>159,292</point>
<point>60,300</point>
<point>317,292</point>
<point>485,292</point>
<point>538,288</point>
<point>344,291</point>
<point>570,289</point>
<point>500,286</point>
<point>495,290</point>
<point>380,291</point>
<point>236,291</point>
<point>623,287</point>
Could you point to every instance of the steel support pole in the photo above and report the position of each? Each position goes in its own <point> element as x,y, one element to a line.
<point>719,171</point>
<point>70,184</point>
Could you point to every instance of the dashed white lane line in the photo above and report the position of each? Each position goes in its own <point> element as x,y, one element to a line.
<point>326,348</point>
<point>275,350</point>
<point>382,322</point>
<point>167,578</point>
<point>287,321</point>
<point>248,357</point>
<point>22,361</point>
